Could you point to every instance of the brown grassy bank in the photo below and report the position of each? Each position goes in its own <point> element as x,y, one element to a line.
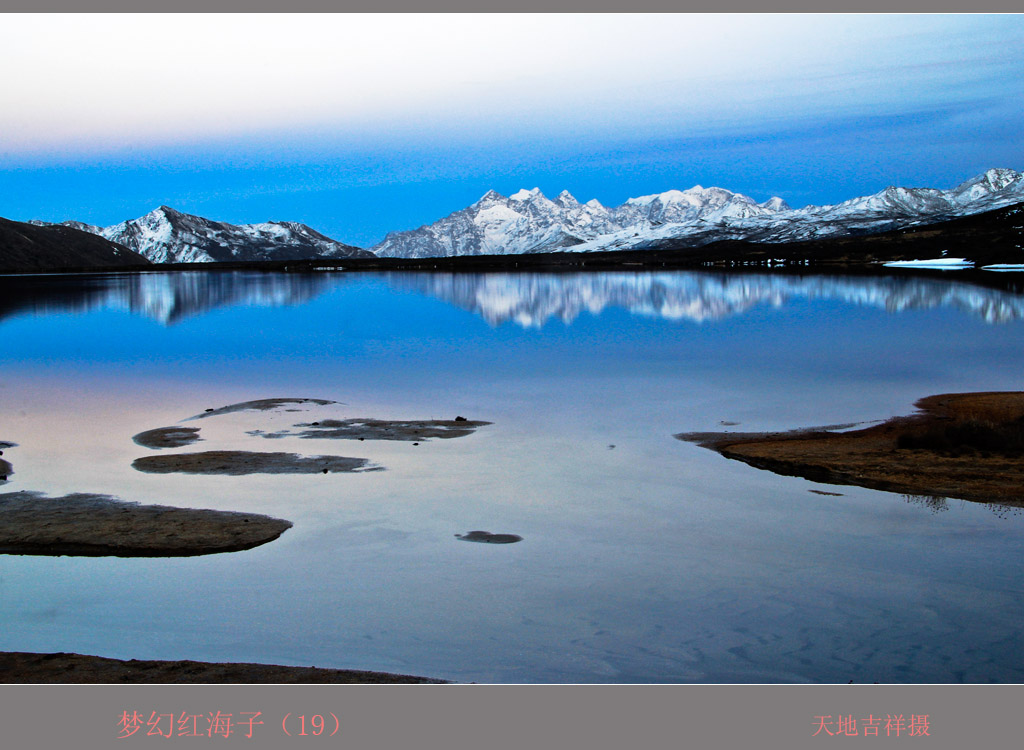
<point>21,668</point>
<point>961,445</point>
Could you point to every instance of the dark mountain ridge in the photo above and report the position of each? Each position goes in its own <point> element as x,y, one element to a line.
<point>26,248</point>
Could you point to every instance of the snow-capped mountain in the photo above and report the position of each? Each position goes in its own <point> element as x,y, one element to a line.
<point>168,236</point>
<point>529,222</point>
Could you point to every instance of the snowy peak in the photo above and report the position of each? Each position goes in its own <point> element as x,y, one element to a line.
<point>685,206</point>
<point>526,195</point>
<point>669,196</point>
<point>987,183</point>
<point>166,235</point>
<point>566,200</point>
<point>491,196</point>
<point>775,204</point>
<point>894,201</point>
<point>696,196</point>
<point>79,225</point>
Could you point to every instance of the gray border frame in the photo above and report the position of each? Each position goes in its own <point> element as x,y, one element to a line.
<point>525,6</point>
<point>514,717</point>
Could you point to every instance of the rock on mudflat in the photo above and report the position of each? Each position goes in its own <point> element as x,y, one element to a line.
<point>5,467</point>
<point>488,538</point>
<point>237,463</point>
<point>381,429</point>
<point>168,437</point>
<point>97,525</point>
<point>265,404</point>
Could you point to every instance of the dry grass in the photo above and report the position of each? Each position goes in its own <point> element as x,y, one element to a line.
<point>964,446</point>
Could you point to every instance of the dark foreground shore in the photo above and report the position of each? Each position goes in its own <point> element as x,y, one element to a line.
<point>961,445</point>
<point>24,668</point>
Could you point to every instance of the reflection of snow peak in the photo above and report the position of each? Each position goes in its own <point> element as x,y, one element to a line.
<point>170,297</point>
<point>528,221</point>
<point>531,300</point>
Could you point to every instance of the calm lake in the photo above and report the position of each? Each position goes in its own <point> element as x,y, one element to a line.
<point>643,558</point>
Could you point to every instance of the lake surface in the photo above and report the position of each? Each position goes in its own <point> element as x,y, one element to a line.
<point>643,558</point>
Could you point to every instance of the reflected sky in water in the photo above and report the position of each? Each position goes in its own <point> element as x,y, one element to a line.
<point>527,299</point>
<point>650,561</point>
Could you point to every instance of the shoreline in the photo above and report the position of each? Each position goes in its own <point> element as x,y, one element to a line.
<point>21,667</point>
<point>966,446</point>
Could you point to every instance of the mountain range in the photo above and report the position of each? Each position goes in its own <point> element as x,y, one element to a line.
<point>529,222</point>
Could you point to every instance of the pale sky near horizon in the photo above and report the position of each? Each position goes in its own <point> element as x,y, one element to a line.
<point>357,124</point>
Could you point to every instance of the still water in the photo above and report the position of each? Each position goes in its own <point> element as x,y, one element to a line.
<point>643,558</point>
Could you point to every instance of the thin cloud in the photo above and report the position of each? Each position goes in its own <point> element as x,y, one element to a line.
<point>87,83</point>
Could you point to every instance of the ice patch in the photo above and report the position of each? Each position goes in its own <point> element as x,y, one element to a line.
<point>939,263</point>
<point>1004,267</point>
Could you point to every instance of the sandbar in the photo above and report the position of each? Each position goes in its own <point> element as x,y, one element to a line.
<point>168,437</point>
<point>5,467</point>
<point>92,525</point>
<point>959,445</point>
<point>488,538</point>
<point>379,429</point>
<point>264,404</point>
<point>237,463</point>
<point>28,668</point>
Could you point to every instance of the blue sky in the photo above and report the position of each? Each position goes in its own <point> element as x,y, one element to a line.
<point>358,124</point>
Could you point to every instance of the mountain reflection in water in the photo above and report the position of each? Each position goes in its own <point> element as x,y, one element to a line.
<point>529,300</point>
<point>167,297</point>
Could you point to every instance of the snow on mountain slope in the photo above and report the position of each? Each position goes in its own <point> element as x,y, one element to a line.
<point>530,222</point>
<point>168,236</point>
<point>986,185</point>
